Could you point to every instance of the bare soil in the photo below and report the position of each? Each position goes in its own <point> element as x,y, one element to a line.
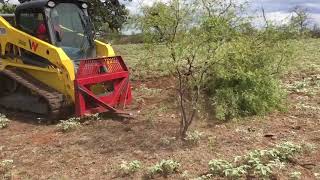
<point>96,150</point>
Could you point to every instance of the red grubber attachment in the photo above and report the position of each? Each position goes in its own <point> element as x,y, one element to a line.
<point>102,85</point>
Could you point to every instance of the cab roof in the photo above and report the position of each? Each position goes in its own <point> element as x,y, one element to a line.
<point>41,4</point>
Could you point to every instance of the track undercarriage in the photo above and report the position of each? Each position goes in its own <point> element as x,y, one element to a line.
<point>20,91</point>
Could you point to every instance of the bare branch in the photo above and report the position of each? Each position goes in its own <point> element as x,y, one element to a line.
<point>264,17</point>
<point>227,8</point>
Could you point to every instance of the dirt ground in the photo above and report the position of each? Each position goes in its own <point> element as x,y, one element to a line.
<point>96,150</point>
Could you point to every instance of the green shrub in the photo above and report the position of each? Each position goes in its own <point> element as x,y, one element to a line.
<point>217,57</point>
<point>287,150</point>
<point>226,169</point>
<point>4,122</point>
<point>163,168</point>
<point>127,168</point>
<point>246,80</point>
<point>69,125</point>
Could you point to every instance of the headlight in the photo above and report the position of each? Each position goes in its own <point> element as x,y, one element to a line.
<point>84,5</point>
<point>51,4</point>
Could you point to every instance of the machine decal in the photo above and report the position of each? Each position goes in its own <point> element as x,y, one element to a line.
<point>3,31</point>
<point>33,45</point>
<point>23,43</point>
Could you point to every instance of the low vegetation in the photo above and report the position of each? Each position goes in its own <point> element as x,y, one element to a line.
<point>261,164</point>
<point>257,164</point>
<point>148,92</point>
<point>144,62</point>
<point>129,168</point>
<point>91,117</point>
<point>193,137</point>
<point>5,169</point>
<point>163,168</point>
<point>296,175</point>
<point>4,121</point>
<point>167,141</point>
<point>69,125</point>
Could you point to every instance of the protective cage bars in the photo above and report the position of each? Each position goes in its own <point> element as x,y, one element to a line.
<point>105,72</point>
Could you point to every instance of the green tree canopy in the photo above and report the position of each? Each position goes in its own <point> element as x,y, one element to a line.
<point>111,12</point>
<point>6,7</point>
<point>300,19</point>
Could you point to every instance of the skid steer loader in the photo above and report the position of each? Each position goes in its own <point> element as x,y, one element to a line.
<point>51,64</point>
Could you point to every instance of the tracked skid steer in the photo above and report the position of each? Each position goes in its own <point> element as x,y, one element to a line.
<point>51,64</point>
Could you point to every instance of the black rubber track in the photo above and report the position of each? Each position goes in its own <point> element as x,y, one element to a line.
<point>54,98</point>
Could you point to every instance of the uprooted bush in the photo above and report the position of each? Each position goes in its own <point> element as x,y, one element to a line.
<point>260,164</point>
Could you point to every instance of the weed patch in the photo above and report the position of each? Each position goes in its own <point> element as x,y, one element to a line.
<point>129,168</point>
<point>296,175</point>
<point>4,121</point>
<point>69,125</point>
<point>193,138</point>
<point>260,164</point>
<point>163,168</point>
<point>167,141</point>
<point>148,92</point>
<point>5,169</point>
<point>309,86</point>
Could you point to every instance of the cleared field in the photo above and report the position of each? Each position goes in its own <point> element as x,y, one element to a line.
<point>144,63</point>
<point>97,148</point>
<point>306,56</point>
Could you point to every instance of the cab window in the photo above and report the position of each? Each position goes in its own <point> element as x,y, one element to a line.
<point>33,24</point>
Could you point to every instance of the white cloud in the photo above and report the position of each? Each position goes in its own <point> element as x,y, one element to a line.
<point>136,5</point>
<point>14,1</point>
<point>279,17</point>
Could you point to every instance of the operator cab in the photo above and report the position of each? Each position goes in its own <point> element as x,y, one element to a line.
<point>63,23</point>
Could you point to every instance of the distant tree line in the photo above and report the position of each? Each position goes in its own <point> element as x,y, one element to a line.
<point>110,16</point>
<point>300,25</point>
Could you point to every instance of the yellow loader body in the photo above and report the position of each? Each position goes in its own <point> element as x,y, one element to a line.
<point>60,77</point>
<point>62,70</point>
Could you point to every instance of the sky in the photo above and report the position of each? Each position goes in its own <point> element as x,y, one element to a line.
<point>276,10</point>
<point>279,10</point>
